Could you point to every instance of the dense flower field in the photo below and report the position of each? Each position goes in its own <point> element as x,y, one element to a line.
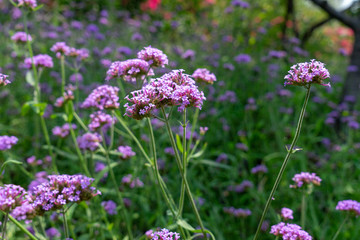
<point>177,120</point>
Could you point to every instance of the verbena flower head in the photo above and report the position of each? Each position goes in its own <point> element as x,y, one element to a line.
<point>101,120</point>
<point>103,97</point>
<point>113,71</point>
<point>109,206</point>
<point>40,61</point>
<point>32,4</point>
<point>11,196</point>
<point>259,169</point>
<point>172,89</point>
<point>3,80</point>
<point>165,234</point>
<point>132,182</point>
<point>61,190</point>
<point>304,74</point>
<point>89,141</point>
<point>68,95</point>
<point>237,212</point>
<point>134,69</point>
<point>24,212</point>
<point>289,232</point>
<point>60,48</point>
<point>351,206</point>
<point>287,213</point>
<point>63,131</point>
<point>126,152</point>
<point>7,142</point>
<point>305,178</point>
<point>154,56</point>
<point>21,37</point>
<point>204,75</point>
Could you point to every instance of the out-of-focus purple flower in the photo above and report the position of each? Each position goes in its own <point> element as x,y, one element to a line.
<point>63,131</point>
<point>287,213</point>
<point>21,37</point>
<point>3,80</point>
<point>237,212</point>
<point>32,4</point>
<point>61,190</point>
<point>354,125</point>
<point>33,161</point>
<point>350,206</point>
<point>303,74</point>
<point>228,96</point>
<point>40,61</point>
<point>242,187</point>
<point>165,234</point>
<point>126,152</point>
<point>259,169</point>
<point>110,207</point>
<point>124,50</point>
<point>204,75</point>
<point>137,37</point>
<point>132,182</point>
<point>148,233</point>
<point>52,233</point>
<point>11,196</point>
<point>89,141</point>
<point>289,231</point>
<point>352,68</point>
<point>203,130</point>
<point>68,95</point>
<point>305,178</point>
<point>242,58</point>
<point>277,54</point>
<point>60,49</point>
<point>239,3</point>
<point>76,77</point>
<point>103,97</point>
<point>101,120</point>
<point>188,54</point>
<point>222,158</point>
<point>154,56</point>
<point>229,66</point>
<point>6,142</point>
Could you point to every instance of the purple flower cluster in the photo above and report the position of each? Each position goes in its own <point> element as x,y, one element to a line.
<point>259,169</point>
<point>351,206</point>
<point>61,49</point>
<point>68,95</point>
<point>172,89</point>
<point>132,69</point>
<point>63,131</point>
<point>61,190</point>
<point>103,97</point>
<point>25,211</point>
<point>305,178</point>
<point>110,207</point>
<point>289,232</point>
<point>11,196</point>
<point>52,233</point>
<point>3,80</point>
<point>165,234</point>
<point>154,57</point>
<point>89,141</point>
<point>304,74</point>
<point>204,75</point>
<point>126,152</point>
<point>101,120</point>
<point>237,212</point>
<point>7,142</point>
<point>21,37</point>
<point>287,213</point>
<point>242,187</point>
<point>132,182</point>
<point>40,61</point>
<point>32,4</point>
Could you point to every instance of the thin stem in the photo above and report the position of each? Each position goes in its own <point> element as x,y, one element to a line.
<point>66,227</point>
<point>195,118</point>
<point>62,63</point>
<point>178,160</point>
<point>282,169</point>
<point>184,163</point>
<point>78,118</point>
<point>6,218</point>
<point>47,139</point>
<point>22,228</point>
<point>303,209</point>
<point>341,226</point>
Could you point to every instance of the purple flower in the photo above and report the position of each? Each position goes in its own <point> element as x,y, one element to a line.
<point>52,233</point>
<point>204,75</point>
<point>101,120</point>
<point>165,234</point>
<point>242,187</point>
<point>76,77</point>
<point>110,207</point>
<point>239,3</point>
<point>277,54</point>
<point>63,131</point>
<point>3,80</point>
<point>89,141</point>
<point>23,212</point>
<point>103,97</point>
<point>21,37</point>
<point>350,206</point>
<point>133,69</point>
<point>239,212</point>
<point>289,232</point>
<point>60,48</point>
<point>154,56</point>
<point>305,178</point>
<point>7,142</point>
<point>61,190</point>
<point>131,181</point>
<point>126,152</point>
<point>188,54</point>
<point>304,74</point>
<point>259,169</point>
<point>11,196</point>
<point>287,213</point>
<point>242,58</point>
<point>40,61</point>
<point>68,95</point>
<point>26,3</point>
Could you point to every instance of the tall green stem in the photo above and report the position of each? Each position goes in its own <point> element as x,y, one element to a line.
<point>6,217</point>
<point>62,63</point>
<point>22,228</point>
<point>178,161</point>
<point>184,163</point>
<point>66,227</point>
<point>341,226</point>
<point>282,169</point>
<point>303,210</point>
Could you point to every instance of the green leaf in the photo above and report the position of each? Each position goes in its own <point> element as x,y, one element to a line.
<point>38,7</point>
<point>38,108</point>
<point>212,164</point>
<point>30,78</point>
<point>199,153</point>
<point>9,161</point>
<point>178,143</point>
<point>62,153</point>
<point>13,3</point>
<point>182,223</point>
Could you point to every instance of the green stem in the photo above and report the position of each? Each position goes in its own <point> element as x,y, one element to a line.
<point>341,226</point>
<point>303,209</point>
<point>62,63</point>
<point>22,228</point>
<point>178,161</point>
<point>78,118</point>
<point>6,218</point>
<point>47,139</point>
<point>195,118</point>
<point>66,227</point>
<point>184,163</point>
<point>282,169</point>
